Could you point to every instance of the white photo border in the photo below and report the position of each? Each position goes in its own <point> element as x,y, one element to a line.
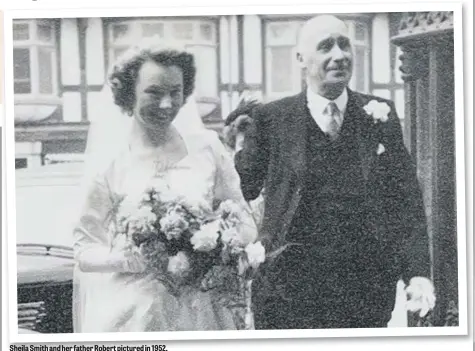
<point>10,209</point>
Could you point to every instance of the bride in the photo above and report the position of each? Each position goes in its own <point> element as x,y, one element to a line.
<point>113,292</point>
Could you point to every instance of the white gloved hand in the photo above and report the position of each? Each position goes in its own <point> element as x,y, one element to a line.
<point>420,296</point>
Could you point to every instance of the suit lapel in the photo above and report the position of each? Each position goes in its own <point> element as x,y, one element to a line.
<point>296,134</point>
<point>295,129</point>
<point>367,142</point>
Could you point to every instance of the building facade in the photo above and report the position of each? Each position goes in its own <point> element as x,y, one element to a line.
<point>60,68</point>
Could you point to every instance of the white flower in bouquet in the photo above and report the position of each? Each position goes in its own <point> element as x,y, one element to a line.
<point>233,240</point>
<point>256,254</point>
<point>173,224</point>
<point>179,264</point>
<point>194,205</point>
<point>145,218</point>
<point>206,239</point>
<point>229,207</point>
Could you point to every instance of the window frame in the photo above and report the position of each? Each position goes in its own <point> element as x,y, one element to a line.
<point>34,45</point>
<point>135,25</point>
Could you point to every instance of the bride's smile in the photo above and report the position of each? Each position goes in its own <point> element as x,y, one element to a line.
<point>159,94</point>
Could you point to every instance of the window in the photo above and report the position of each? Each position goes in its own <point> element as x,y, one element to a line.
<point>283,74</point>
<point>199,36</point>
<point>34,57</point>
<point>387,81</point>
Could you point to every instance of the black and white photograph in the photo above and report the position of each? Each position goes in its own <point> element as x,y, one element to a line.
<point>247,174</point>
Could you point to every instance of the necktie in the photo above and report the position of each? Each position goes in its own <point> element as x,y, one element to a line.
<point>333,112</point>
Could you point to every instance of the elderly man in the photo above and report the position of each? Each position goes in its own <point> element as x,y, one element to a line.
<point>342,198</point>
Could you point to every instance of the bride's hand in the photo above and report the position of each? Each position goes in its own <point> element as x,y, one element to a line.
<point>134,261</point>
<point>128,260</point>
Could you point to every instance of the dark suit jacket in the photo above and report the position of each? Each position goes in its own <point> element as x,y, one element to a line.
<point>273,157</point>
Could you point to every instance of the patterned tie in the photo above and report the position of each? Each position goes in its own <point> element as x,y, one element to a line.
<point>333,112</point>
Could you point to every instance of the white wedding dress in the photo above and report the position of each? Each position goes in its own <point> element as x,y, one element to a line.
<point>119,302</point>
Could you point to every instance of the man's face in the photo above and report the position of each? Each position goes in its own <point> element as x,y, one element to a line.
<point>327,56</point>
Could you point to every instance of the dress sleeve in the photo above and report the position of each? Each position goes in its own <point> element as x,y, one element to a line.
<point>227,186</point>
<point>92,250</point>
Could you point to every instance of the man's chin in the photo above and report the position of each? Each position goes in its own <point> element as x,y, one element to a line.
<point>338,83</point>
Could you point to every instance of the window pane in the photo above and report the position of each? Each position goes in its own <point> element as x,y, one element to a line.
<point>360,31</point>
<point>384,93</point>
<point>45,63</point>
<point>21,71</point>
<point>118,52</point>
<point>119,31</point>
<point>279,30</point>
<point>21,31</point>
<point>281,69</point>
<point>206,31</point>
<point>152,29</point>
<point>282,33</point>
<point>359,69</point>
<point>207,70</point>
<point>22,87</point>
<point>183,31</point>
<point>399,102</point>
<point>44,32</point>
<point>381,50</point>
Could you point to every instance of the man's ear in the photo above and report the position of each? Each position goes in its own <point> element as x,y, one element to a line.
<point>300,60</point>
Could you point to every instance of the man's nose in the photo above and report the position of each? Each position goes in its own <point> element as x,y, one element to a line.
<point>166,102</point>
<point>337,53</point>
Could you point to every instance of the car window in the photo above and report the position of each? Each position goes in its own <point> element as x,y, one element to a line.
<point>47,204</point>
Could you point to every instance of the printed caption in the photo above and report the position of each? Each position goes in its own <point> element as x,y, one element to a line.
<point>88,348</point>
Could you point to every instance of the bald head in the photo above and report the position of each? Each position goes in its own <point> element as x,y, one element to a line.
<point>325,53</point>
<point>318,27</point>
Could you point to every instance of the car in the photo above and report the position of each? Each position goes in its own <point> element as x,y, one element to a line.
<point>46,203</point>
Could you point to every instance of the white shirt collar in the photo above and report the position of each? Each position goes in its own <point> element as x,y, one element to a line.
<point>319,103</point>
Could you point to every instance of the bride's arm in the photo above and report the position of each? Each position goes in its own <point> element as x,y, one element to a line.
<point>92,251</point>
<point>228,187</point>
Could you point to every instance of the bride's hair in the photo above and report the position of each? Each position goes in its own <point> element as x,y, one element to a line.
<point>123,76</point>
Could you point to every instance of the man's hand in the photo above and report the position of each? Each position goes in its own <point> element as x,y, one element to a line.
<point>420,296</point>
<point>234,132</point>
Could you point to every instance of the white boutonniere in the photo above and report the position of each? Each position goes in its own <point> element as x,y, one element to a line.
<point>378,110</point>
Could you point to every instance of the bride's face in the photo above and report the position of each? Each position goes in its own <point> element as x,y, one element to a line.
<point>158,94</point>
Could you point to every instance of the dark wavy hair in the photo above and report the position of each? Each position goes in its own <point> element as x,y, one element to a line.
<point>123,76</point>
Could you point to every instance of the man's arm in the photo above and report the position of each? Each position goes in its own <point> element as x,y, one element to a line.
<point>252,159</point>
<point>415,246</point>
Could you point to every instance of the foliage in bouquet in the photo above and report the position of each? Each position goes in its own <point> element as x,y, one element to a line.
<point>231,279</point>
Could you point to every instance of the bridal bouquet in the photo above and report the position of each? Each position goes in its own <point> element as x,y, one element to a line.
<point>187,244</point>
